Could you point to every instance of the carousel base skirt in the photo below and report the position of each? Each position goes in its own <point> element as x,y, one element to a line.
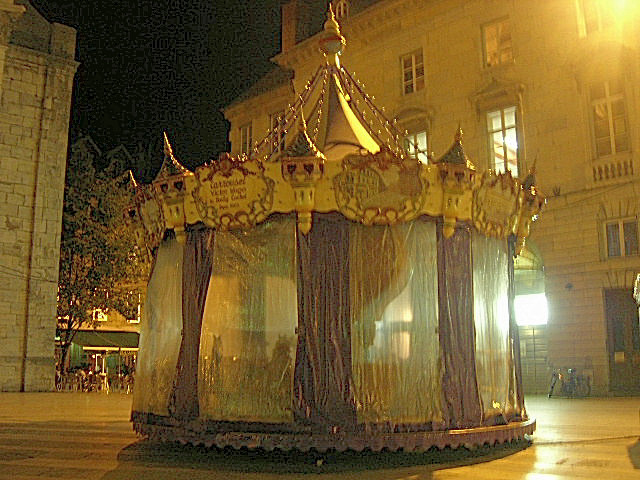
<point>196,433</point>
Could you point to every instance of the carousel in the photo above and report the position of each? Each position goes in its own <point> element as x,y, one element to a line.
<point>331,292</point>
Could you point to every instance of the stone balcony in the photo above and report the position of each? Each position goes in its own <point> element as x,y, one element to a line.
<point>613,169</point>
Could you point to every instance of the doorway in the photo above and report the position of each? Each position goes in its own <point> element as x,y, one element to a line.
<point>623,340</point>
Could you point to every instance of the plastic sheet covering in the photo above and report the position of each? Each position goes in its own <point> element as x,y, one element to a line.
<point>248,336</point>
<point>395,345</point>
<point>494,368</point>
<point>161,329</point>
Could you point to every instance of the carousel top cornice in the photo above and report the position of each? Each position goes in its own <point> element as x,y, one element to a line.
<point>345,156</point>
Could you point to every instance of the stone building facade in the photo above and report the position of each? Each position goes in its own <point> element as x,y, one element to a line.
<point>37,66</point>
<point>553,85</point>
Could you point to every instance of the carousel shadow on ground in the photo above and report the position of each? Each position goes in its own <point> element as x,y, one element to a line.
<point>146,459</point>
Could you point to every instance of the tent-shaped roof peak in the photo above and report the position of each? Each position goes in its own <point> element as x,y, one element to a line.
<point>455,155</point>
<point>170,166</point>
<point>301,145</point>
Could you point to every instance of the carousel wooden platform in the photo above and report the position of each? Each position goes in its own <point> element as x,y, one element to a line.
<point>304,441</point>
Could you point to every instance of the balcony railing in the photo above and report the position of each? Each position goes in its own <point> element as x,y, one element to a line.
<point>612,170</point>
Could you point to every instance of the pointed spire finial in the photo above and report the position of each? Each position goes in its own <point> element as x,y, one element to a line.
<point>170,166</point>
<point>331,40</point>
<point>133,184</point>
<point>458,136</point>
<point>168,151</point>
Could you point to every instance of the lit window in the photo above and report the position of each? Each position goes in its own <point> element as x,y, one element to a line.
<point>341,9</point>
<point>497,43</point>
<point>608,111</point>
<point>276,122</point>
<point>416,145</point>
<point>246,138</point>
<point>412,72</point>
<point>594,15</point>
<point>503,140</point>
<point>622,237</point>
<point>99,315</point>
<point>531,309</point>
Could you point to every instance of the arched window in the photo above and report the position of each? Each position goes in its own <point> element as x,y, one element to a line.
<point>341,9</point>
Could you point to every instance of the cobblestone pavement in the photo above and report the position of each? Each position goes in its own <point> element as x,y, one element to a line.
<point>87,436</point>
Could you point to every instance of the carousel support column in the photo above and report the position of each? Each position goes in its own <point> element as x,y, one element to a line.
<point>462,406</point>
<point>514,333</point>
<point>197,267</point>
<point>323,376</point>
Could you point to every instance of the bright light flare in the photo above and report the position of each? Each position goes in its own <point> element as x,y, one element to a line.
<point>531,309</point>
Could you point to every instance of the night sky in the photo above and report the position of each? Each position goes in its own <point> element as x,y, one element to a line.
<point>154,65</point>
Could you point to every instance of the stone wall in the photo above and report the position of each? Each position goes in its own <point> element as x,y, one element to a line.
<point>37,80</point>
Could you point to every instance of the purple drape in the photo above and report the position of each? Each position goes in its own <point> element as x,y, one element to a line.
<point>462,407</point>
<point>323,376</point>
<point>514,333</point>
<point>197,266</point>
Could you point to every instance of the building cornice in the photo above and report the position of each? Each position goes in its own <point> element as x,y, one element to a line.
<point>9,15</point>
<point>49,59</point>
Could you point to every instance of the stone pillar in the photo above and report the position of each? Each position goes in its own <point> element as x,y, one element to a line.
<point>36,85</point>
<point>48,194</point>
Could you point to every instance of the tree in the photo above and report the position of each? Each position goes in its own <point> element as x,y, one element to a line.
<point>100,265</point>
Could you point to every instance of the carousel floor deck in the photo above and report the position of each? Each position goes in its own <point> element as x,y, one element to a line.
<point>88,436</point>
<point>197,435</point>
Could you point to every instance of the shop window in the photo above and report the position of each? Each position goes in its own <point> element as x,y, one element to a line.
<point>276,125</point>
<point>530,302</point>
<point>503,140</point>
<point>609,117</point>
<point>497,43</point>
<point>412,72</point>
<point>246,138</point>
<point>622,237</point>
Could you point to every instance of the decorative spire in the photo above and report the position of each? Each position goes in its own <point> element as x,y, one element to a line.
<point>455,154</point>
<point>170,166</point>
<point>529,181</point>
<point>133,185</point>
<point>332,42</point>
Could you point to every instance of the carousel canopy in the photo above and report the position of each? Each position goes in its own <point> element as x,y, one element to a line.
<point>342,155</point>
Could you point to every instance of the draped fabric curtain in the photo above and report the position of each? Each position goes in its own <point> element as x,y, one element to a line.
<point>462,406</point>
<point>323,377</point>
<point>394,323</point>
<point>494,365</point>
<point>245,364</point>
<point>196,272</point>
<point>161,327</point>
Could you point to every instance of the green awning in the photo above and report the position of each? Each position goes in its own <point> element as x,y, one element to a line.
<point>106,340</point>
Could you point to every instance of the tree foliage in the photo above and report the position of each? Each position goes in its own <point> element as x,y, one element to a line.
<point>100,265</point>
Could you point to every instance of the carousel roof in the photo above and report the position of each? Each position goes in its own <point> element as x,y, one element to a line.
<point>340,117</point>
<point>342,154</point>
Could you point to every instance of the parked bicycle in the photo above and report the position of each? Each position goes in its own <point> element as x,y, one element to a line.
<point>571,383</point>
